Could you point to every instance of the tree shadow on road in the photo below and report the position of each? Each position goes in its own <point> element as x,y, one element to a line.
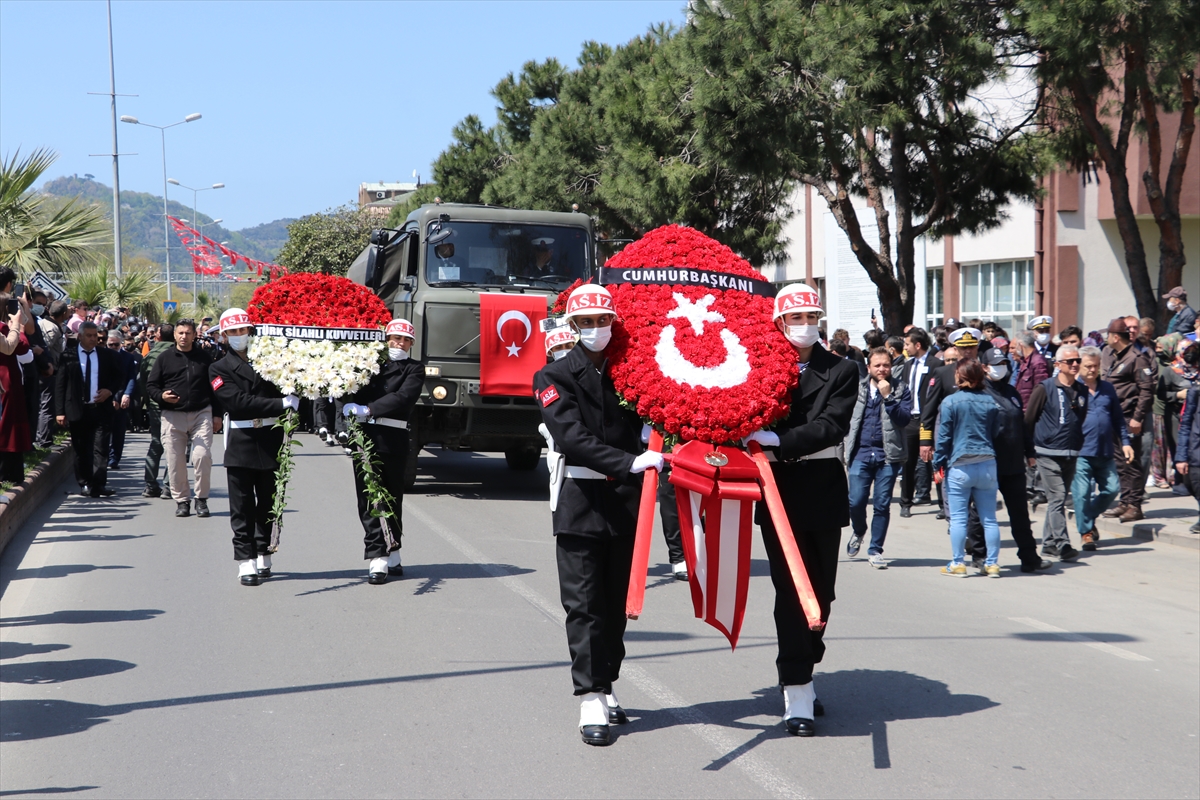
<point>859,703</point>
<point>80,617</point>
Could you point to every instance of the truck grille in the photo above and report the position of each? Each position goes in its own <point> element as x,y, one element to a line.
<point>488,421</point>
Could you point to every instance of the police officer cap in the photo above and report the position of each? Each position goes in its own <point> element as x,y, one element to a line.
<point>965,337</point>
<point>1040,322</point>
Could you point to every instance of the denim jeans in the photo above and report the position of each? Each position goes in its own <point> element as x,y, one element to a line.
<point>964,483</point>
<point>862,475</point>
<point>1104,472</point>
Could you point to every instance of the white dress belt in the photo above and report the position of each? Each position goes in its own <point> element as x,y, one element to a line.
<point>583,473</point>
<point>388,423</point>
<point>253,423</point>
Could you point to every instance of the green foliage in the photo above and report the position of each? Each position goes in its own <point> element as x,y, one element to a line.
<point>98,285</point>
<point>289,421</point>
<point>327,242</point>
<point>420,197</point>
<point>37,233</point>
<point>874,98</point>
<point>379,499</point>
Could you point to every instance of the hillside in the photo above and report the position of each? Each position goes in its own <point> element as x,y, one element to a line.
<point>142,222</point>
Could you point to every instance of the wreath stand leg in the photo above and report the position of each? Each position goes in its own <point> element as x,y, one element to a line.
<point>787,541</point>
<point>636,596</point>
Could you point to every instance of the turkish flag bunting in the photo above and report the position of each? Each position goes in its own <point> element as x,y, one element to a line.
<point>511,343</point>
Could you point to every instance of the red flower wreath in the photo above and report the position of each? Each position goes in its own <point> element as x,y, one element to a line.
<point>310,298</point>
<point>750,367</point>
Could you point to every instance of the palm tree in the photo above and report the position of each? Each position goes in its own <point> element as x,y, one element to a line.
<point>206,305</point>
<point>98,285</point>
<point>38,233</point>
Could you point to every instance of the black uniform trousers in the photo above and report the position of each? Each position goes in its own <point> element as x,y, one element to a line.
<point>1132,474</point>
<point>593,581</point>
<point>90,437</point>
<point>381,535</point>
<point>1016,501</point>
<point>155,451</point>
<point>800,649</point>
<point>914,476</point>
<point>668,512</point>
<point>251,496</point>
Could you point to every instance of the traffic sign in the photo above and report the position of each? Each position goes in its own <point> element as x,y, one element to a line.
<point>40,280</point>
<point>169,306</point>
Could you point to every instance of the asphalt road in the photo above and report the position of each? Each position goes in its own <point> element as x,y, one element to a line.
<point>135,665</point>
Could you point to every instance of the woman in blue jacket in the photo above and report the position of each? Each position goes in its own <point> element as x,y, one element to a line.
<point>969,424</point>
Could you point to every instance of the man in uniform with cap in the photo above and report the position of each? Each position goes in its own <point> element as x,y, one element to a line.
<point>383,407</point>
<point>595,517</point>
<point>1040,327</point>
<point>941,385</point>
<point>252,443</point>
<point>559,341</point>
<point>1184,321</point>
<point>816,497</point>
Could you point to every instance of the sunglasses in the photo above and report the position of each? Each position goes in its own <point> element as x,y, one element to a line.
<point>1070,361</point>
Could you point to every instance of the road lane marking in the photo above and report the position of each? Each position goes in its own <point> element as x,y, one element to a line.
<point>754,767</point>
<point>1103,647</point>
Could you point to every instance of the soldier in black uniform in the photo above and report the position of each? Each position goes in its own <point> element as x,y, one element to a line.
<point>596,515</point>
<point>812,485</point>
<point>383,407</point>
<point>251,446</point>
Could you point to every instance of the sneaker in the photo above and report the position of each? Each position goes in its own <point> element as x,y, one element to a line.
<point>1089,542</point>
<point>1067,553</point>
<point>955,570</point>
<point>905,511</point>
<point>877,561</point>
<point>184,509</point>
<point>152,491</point>
<point>202,507</point>
<point>992,571</point>
<point>1050,550</point>
<point>853,546</point>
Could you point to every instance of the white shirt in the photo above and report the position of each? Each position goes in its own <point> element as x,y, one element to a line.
<point>94,389</point>
<point>914,381</point>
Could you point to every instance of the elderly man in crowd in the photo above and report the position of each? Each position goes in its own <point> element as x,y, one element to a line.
<point>1103,425</point>
<point>1184,321</point>
<point>1133,376</point>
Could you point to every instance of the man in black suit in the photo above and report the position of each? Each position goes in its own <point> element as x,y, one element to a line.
<point>127,364</point>
<point>83,401</point>
<point>816,497</point>
<point>915,475</point>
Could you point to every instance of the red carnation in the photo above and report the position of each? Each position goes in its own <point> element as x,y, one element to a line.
<point>319,300</point>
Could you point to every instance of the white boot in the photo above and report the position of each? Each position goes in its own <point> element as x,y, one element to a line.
<point>248,572</point>
<point>680,571</point>
<point>264,566</point>
<point>377,572</point>
<point>393,559</point>
<point>592,709</point>
<point>798,701</point>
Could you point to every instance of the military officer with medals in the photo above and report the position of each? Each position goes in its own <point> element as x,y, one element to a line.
<point>383,407</point>
<point>816,498</point>
<point>252,445</point>
<point>595,516</point>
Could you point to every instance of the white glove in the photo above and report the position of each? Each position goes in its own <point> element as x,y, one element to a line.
<point>645,433</point>
<point>764,438</point>
<point>646,460</point>
<point>292,402</point>
<point>362,411</point>
<point>348,410</point>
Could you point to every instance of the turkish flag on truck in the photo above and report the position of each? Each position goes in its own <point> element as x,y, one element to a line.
<point>511,342</point>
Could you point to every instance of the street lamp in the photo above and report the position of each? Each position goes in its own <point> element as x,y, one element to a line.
<point>162,129</point>
<point>194,192</point>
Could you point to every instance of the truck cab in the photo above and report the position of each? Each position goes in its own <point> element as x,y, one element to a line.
<point>431,271</point>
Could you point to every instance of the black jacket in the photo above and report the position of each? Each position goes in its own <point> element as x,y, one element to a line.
<point>391,394</point>
<point>583,413</point>
<point>938,386</point>
<point>68,382</point>
<point>815,494</point>
<point>1135,376</point>
<point>1014,445</point>
<point>186,374</point>
<point>127,363</point>
<point>245,395</point>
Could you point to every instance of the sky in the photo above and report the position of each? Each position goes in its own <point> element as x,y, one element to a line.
<point>301,101</point>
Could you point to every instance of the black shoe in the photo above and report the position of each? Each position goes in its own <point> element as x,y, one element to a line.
<point>264,573</point>
<point>801,727</point>
<point>818,708</point>
<point>596,735</point>
<point>617,716</point>
<point>166,491</point>
<point>105,492</point>
<point>1050,551</point>
<point>853,546</point>
<point>977,563</point>
<point>377,578</point>
<point>905,511</point>
<point>396,571</point>
<point>1195,528</point>
<point>114,466</point>
<point>247,580</point>
<point>152,491</point>
<point>923,501</point>
<point>84,491</point>
<point>941,515</point>
<point>1067,553</point>
<point>681,576</point>
<point>184,509</point>
<point>1034,566</point>
<point>202,507</point>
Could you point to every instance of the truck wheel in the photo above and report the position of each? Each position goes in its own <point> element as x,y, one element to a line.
<point>410,463</point>
<point>523,458</point>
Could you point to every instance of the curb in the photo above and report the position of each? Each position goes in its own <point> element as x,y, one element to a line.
<point>19,503</point>
<point>1156,532</point>
<point>1151,530</point>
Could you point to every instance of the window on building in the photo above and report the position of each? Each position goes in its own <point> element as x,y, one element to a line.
<point>934,302</point>
<point>1000,291</point>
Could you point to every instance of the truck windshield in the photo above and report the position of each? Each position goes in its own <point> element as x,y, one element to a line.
<point>505,254</point>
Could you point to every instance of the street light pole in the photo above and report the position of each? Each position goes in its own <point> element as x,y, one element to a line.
<point>162,129</point>
<point>194,192</point>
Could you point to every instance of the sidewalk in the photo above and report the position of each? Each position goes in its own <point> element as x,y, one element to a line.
<point>1168,517</point>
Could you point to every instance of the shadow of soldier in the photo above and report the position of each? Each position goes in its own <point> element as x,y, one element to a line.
<point>859,703</point>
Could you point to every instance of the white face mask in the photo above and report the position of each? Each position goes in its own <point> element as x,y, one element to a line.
<point>560,354</point>
<point>239,343</point>
<point>802,335</point>
<point>397,354</point>
<point>1172,304</point>
<point>1043,339</point>
<point>38,309</point>
<point>997,373</point>
<point>595,339</point>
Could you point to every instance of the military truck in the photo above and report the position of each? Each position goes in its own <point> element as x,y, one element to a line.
<point>431,271</point>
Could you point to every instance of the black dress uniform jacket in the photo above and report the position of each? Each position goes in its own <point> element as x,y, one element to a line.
<point>939,386</point>
<point>815,492</point>
<point>245,395</point>
<point>391,394</point>
<point>583,413</point>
